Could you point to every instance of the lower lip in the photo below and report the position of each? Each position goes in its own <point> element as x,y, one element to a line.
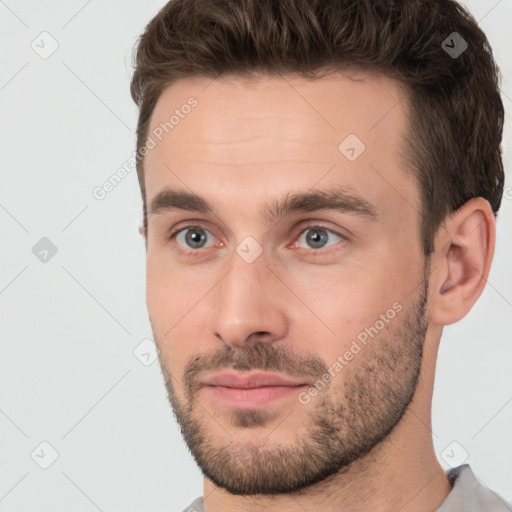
<point>251,398</point>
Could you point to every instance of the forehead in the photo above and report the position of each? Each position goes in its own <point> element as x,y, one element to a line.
<point>350,102</point>
<point>275,134</point>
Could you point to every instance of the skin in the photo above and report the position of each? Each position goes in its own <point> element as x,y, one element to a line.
<point>248,142</point>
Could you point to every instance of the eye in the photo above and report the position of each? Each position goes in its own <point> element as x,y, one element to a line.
<point>318,237</point>
<point>191,237</point>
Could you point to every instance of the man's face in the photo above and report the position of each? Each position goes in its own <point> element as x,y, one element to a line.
<point>331,299</point>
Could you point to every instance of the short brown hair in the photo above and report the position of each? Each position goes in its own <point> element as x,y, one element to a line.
<point>455,115</point>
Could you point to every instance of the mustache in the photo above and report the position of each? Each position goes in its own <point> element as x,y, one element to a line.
<point>259,356</point>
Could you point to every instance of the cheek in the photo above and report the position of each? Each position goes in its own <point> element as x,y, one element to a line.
<point>346,303</point>
<point>161,298</point>
<point>168,289</point>
<point>166,302</point>
<point>178,308</point>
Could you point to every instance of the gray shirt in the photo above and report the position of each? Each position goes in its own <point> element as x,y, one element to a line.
<point>467,495</point>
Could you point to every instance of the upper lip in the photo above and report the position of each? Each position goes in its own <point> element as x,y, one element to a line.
<point>233,379</point>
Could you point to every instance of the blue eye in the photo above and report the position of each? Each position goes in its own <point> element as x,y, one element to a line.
<point>192,237</point>
<point>317,237</point>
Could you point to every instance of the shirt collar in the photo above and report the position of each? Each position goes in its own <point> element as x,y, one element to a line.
<point>469,494</point>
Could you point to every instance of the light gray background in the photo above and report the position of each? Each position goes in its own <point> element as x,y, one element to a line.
<point>69,326</point>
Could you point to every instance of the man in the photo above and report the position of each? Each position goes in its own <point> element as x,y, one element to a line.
<point>320,182</point>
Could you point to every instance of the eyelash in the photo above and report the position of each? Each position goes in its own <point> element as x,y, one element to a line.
<point>313,252</point>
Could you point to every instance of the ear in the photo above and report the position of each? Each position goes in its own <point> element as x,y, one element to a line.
<point>463,254</point>
<point>143,232</point>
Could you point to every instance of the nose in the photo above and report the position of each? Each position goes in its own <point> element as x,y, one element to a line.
<point>249,304</point>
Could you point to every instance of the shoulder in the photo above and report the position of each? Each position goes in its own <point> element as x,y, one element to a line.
<point>469,494</point>
<point>196,506</point>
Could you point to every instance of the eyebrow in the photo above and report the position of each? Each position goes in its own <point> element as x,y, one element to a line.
<point>338,198</point>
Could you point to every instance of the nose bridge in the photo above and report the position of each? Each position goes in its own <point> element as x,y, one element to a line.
<point>247,302</point>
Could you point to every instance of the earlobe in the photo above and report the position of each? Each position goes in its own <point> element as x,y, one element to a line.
<point>464,252</point>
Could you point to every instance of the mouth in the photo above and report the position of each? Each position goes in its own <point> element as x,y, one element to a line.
<point>250,390</point>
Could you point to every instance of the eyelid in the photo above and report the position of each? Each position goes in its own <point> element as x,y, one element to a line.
<point>174,232</point>
<point>318,225</point>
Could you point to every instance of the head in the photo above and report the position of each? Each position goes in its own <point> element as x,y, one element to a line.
<point>319,192</point>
